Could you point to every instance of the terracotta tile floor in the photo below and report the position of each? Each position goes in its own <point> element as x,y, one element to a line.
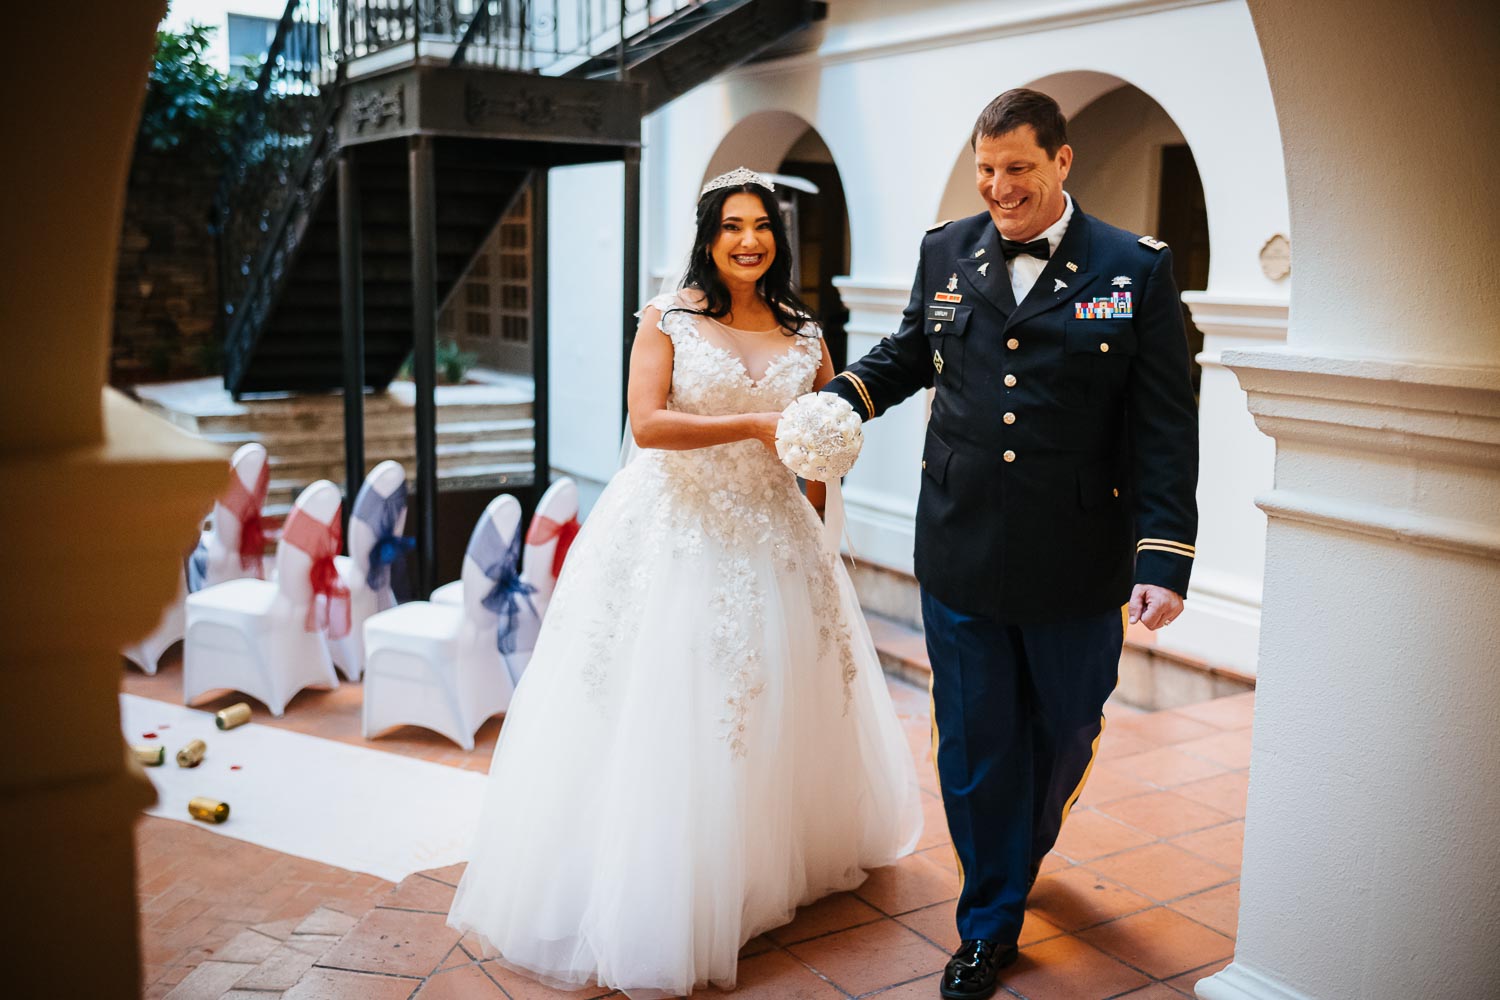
<point>1139,899</point>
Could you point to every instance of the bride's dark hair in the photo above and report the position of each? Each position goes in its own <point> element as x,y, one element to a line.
<point>775,286</point>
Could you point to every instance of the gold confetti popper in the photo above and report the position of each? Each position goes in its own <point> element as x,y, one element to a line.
<point>192,754</point>
<point>235,715</point>
<point>208,810</point>
<point>149,756</point>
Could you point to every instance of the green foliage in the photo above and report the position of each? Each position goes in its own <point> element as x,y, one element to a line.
<point>453,364</point>
<point>191,106</point>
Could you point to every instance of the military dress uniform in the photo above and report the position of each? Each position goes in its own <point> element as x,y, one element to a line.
<point>1059,468</point>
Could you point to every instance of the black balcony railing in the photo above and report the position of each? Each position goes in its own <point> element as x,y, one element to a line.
<point>555,36</point>
<point>275,168</point>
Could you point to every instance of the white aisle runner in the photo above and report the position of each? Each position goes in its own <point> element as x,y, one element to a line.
<point>347,806</point>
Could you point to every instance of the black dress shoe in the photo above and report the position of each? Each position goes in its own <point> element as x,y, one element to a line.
<point>973,971</point>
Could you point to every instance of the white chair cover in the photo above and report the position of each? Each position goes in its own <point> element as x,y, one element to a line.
<point>147,653</point>
<point>438,666</point>
<point>218,558</point>
<point>553,527</point>
<point>375,523</point>
<point>252,635</point>
<point>215,559</point>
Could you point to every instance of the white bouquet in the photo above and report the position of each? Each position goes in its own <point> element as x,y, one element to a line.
<point>819,436</point>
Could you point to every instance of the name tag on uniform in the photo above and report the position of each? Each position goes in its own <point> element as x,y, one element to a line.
<point>942,313</point>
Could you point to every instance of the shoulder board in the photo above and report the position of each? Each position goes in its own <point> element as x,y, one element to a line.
<point>940,225</point>
<point>1152,242</point>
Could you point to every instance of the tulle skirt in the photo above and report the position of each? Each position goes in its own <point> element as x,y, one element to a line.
<point>702,742</point>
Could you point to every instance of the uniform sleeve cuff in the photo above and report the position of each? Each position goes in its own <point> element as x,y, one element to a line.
<point>851,388</point>
<point>1161,567</point>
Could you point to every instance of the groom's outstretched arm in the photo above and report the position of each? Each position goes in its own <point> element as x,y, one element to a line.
<point>894,369</point>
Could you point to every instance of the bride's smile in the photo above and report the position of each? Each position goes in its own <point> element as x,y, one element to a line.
<point>745,248</point>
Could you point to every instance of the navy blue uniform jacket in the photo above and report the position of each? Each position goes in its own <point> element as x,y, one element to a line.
<point>1061,457</point>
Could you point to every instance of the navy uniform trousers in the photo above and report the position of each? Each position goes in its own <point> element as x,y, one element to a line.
<point>1016,718</point>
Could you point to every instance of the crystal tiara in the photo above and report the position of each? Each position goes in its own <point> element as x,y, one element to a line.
<point>736,177</point>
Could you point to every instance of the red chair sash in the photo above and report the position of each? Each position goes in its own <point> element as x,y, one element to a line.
<point>329,608</point>
<point>544,529</point>
<point>246,505</point>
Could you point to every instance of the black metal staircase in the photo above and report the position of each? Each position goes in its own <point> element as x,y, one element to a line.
<point>503,88</point>
<point>427,117</point>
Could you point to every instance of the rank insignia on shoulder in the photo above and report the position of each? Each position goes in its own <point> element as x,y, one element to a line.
<point>934,228</point>
<point>937,361</point>
<point>1152,242</point>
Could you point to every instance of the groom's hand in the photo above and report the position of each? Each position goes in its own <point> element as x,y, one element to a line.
<point>1153,606</point>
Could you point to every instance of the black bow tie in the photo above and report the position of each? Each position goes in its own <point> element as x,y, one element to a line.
<point>1036,248</point>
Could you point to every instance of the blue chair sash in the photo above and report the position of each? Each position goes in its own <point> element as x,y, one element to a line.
<point>501,563</point>
<point>197,566</point>
<point>381,514</point>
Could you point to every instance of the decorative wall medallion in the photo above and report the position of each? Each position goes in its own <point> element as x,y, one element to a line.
<point>375,107</point>
<point>529,108</point>
<point>1276,257</point>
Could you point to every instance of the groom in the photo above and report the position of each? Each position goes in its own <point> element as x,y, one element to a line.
<point>1057,498</point>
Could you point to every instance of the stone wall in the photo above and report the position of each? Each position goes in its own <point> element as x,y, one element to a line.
<point>166,282</point>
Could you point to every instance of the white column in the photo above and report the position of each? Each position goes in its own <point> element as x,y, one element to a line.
<point>1372,850</point>
<point>1221,623</point>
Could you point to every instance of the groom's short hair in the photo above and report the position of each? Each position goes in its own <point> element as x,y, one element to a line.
<point>1018,107</point>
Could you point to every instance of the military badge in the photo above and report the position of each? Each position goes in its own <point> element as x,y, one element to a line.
<point>1119,281</point>
<point>937,361</point>
<point>1116,306</point>
<point>1061,284</point>
<point>953,282</point>
<point>984,269</point>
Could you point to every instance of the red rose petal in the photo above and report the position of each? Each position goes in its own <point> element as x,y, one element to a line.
<point>148,736</point>
<point>234,767</point>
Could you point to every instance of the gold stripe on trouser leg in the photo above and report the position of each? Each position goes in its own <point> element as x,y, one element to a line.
<point>937,772</point>
<point>1094,750</point>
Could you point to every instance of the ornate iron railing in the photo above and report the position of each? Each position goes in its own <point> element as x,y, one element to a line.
<point>555,36</point>
<point>275,171</point>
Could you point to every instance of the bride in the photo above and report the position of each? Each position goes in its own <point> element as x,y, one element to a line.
<point>703,740</point>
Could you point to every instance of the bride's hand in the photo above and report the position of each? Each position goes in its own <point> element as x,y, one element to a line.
<point>762,428</point>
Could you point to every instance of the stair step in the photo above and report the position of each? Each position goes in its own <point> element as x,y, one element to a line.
<point>390,437</point>
<point>516,453</point>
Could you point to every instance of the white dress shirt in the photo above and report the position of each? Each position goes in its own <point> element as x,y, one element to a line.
<point>1024,268</point>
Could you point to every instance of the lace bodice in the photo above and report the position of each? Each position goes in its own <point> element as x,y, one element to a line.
<point>708,378</point>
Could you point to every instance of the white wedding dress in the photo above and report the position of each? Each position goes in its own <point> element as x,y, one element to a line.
<point>703,740</point>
